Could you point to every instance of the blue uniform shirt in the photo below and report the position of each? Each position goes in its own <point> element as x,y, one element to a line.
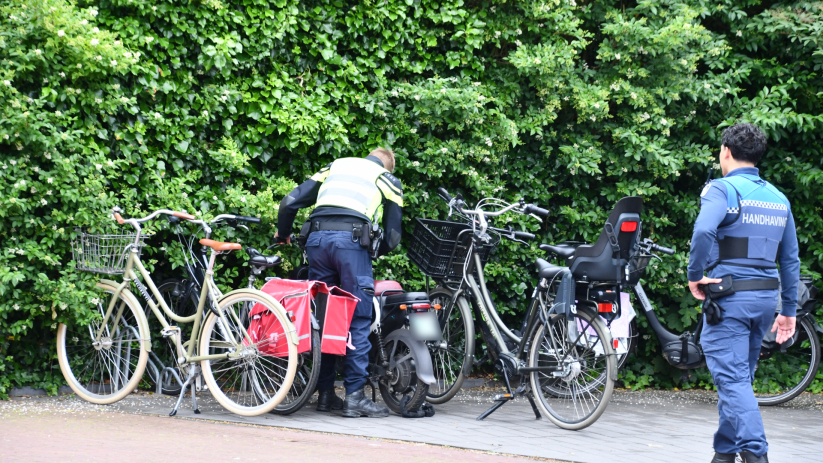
<point>715,212</point>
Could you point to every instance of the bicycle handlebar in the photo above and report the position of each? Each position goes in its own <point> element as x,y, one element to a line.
<point>532,209</point>
<point>524,236</point>
<point>183,215</point>
<point>664,250</point>
<point>444,194</point>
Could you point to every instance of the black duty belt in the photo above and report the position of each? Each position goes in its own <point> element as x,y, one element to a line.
<point>756,285</point>
<point>337,226</point>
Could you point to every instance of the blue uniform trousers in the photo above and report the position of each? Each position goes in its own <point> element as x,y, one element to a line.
<point>732,348</point>
<point>337,260</point>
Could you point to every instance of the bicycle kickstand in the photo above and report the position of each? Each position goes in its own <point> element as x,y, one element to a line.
<point>499,399</point>
<point>188,383</point>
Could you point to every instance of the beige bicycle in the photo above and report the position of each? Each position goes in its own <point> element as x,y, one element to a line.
<point>104,360</point>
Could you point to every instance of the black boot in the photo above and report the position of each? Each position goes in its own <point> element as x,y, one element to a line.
<point>328,400</point>
<point>749,457</point>
<point>723,457</point>
<point>357,405</point>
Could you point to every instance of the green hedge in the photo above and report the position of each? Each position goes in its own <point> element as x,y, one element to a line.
<point>215,106</point>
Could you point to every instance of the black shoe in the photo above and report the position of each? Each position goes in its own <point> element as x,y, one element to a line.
<point>357,405</point>
<point>328,400</point>
<point>723,457</point>
<point>749,457</point>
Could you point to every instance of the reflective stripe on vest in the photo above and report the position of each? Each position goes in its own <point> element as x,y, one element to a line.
<point>761,213</point>
<point>352,184</point>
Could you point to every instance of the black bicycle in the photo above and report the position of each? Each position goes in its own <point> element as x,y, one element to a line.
<point>182,297</point>
<point>784,370</point>
<point>562,354</point>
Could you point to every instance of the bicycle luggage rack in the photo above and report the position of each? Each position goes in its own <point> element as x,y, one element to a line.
<point>439,248</point>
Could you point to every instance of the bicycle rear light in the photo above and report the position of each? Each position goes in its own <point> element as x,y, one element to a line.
<point>605,307</point>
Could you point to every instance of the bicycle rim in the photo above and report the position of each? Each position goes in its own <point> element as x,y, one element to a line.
<point>450,358</point>
<point>106,371</point>
<point>260,378</point>
<point>578,392</point>
<point>782,376</point>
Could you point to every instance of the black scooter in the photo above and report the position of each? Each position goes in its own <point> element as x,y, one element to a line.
<point>400,365</point>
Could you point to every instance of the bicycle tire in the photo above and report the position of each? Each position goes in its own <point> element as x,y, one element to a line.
<point>552,404</point>
<point>451,369</point>
<point>254,383</point>
<point>780,364</point>
<point>305,380</point>
<point>114,354</point>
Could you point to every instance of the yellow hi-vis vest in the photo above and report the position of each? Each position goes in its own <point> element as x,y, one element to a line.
<point>351,183</point>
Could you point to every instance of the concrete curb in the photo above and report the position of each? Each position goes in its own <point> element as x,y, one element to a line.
<point>30,391</point>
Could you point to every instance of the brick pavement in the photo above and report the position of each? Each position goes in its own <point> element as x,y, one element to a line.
<point>636,428</point>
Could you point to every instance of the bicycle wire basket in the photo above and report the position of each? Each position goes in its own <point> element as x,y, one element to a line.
<point>103,253</point>
<point>439,248</point>
<point>637,267</point>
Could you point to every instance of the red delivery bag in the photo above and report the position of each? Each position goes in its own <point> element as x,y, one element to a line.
<point>296,297</point>
<point>335,309</point>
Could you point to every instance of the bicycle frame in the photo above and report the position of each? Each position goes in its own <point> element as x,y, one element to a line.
<point>209,290</point>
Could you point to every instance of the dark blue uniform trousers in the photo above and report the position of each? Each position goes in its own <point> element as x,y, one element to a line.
<point>732,348</point>
<point>337,260</point>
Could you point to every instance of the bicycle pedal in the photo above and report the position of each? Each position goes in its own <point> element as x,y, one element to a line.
<point>503,397</point>
<point>170,331</point>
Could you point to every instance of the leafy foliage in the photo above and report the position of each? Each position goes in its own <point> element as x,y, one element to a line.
<point>215,106</point>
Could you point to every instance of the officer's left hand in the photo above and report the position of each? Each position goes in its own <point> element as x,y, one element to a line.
<point>694,287</point>
<point>785,328</point>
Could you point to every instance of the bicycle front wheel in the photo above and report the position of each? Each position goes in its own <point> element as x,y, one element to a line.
<point>578,369</point>
<point>453,357</point>
<point>105,369</point>
<point>783,375</point>
<point>255,376</point>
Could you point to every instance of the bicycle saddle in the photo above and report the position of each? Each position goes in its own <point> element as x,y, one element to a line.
<point>547,270</point>
<point>563,250</point>
<point>259,260</point>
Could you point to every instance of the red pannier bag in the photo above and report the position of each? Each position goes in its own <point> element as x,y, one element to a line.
<point>335,309</point>
<point>296,297</point>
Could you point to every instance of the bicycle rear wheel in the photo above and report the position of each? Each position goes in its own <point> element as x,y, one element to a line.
<point>105,371</point>
<point>453,357</point>
<point>781,376</point>
<point>581,362</point>
<point>305,380</point>
<point>259,376</point>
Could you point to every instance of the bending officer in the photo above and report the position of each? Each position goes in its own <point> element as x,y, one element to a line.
<point>351,194</point>
<point>744,229</point>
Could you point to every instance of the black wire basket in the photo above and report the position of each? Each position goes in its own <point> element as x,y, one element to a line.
<point>440,248</point>
<point>637,267</point>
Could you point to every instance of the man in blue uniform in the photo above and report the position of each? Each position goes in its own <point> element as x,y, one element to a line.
<point>744,229</point>
<point>350,194</point>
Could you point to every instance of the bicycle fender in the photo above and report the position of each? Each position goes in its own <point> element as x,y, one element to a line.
<point>290,330</point>
<point>141,317</point>
<point>419,352</point>
<point>608,344</point>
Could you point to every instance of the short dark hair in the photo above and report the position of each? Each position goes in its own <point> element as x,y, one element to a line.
<point>746,142</point>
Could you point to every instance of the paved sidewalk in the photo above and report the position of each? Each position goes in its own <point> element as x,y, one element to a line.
<point>638,427</point>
